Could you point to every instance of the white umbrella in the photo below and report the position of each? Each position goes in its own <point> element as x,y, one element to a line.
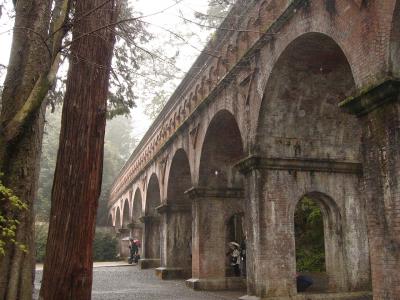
<point>234,244</point>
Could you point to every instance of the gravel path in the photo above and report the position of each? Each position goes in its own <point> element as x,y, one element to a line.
<point>131,283</point>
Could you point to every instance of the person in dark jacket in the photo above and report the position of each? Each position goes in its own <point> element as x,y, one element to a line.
<point>303,282</point>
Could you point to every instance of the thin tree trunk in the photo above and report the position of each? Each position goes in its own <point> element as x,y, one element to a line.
<point>19,158</point>
<point>77,181</point>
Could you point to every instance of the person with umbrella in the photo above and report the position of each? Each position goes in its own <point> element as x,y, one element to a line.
<point>234,254</point>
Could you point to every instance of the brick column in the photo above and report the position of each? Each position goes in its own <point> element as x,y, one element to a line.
<point>175,240</point>
<point>269,249</point>
<point>210,210</point>
<point>151,236</point>
<point>378,110</point>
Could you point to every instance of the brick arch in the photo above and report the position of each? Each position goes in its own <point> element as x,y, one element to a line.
<point>310,77</point>
<point>153,195</point>
<point>333,237</point>
<point>125,212</point>
<point>118,223</point>
<point>394,62</point>
<point>221,147</point>
<point>152,225</point>
<point>110,220</point>
<point>137,210</point>
<point>179,177</point>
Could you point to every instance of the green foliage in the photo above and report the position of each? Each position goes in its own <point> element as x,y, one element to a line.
<point>9,222</point>
<point>104,246</point>
<point>41,230</point>
<point>309,231</point>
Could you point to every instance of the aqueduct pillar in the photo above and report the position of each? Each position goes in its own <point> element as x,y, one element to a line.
<point>378,110</point>
<point>211,210</point>
<point>176,236</point>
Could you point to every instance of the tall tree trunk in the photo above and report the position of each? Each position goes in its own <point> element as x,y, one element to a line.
<point>77,181</point>
<point>19,157</point>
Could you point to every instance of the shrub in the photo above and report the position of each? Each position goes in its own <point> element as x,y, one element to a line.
<point>104,246</point>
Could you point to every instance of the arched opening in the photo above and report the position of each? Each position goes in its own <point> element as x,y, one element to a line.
<point>221,190</point>
<point>310,245</point>
<point>218,154</point>
<point>125,219</point>
<point>178,220</point>
<point>110,220</point>
<point>137,226</point>
<point>118,220</point>
<point>152,220</point>
<point>179,179</point>
<point>395,42</point>
<point>301,127</point>
<point>137,206</point>
<point>299,116</point>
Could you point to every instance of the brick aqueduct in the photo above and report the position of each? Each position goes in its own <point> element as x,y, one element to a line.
<point>290,98</point>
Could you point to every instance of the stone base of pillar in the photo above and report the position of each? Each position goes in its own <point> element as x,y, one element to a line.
<point>215,284</point>
<point>318,296</point>
<point>149,263</point>
<point>247,297</point>
<point>170,273</point>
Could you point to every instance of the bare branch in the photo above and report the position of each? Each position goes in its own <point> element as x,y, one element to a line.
<point>113,24</point>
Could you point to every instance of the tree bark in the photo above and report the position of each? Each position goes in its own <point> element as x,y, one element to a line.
<point>77,181</point>
<point>19,157</point>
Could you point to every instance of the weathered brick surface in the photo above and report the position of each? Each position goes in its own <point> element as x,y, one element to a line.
<point>273,91</point>
<point>381,154</point>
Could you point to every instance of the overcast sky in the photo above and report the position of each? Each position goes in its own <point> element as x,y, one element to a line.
<point>164,18</point>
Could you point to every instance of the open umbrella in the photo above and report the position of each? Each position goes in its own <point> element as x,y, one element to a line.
<point>234,244</point>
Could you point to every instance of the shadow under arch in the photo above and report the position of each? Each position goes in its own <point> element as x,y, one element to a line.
<point>151,245</point>
<point>222,148</point>
<point>125,215</point>
<point>110,220</point>
<point>299,115</point>
<point>118,219</point>
<point>137,225</point>
<point>176,221</point>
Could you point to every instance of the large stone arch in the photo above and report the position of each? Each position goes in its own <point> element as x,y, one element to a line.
<point>153,195</point>
<point>219,195</point>
<point>137,211</point>
<point>137,206</point>
<point>221,148</point>
<point>176,220</point>
<point>179,177</point>
<point>118,221</point>
<point>125,213</point>
<point>110,220</point>
<point>151,239</point>
<point>305,143</point>
<point>301,100</point>
<point>394,62</point>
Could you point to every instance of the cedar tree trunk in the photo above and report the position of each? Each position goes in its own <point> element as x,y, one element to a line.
<point>20,156</point>
<point>67,271</point>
